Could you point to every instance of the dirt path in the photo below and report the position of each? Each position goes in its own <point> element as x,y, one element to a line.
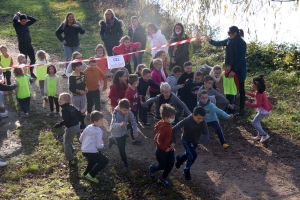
<point>247,170</point>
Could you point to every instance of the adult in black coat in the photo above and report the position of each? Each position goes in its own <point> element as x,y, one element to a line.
<point>21,23</point>
<point>178,54</point>
<point>110,31</point>
<point>71,29</point>
<point>137,33</point>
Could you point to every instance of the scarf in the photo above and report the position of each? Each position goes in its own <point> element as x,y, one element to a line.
<point>211,73</point>
<point>109,22</point>
<point>230,57</point>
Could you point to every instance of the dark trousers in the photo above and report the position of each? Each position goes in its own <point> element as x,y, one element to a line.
<point>189,155</point>
<point>129,126</point>
<point>152,94</point>
<point>53,100</point>
<point>93,97</point>
<point>142,111</point>
<point>137,60</point>
<point>121,143</point>
<point>128,67</point>
<point>109,49</point>
<point>232,101</point>
<point>218,130</point>
<point>27,49</point>
<point>96,162</point>
<point>242,95</point>
<point>7,76</point>
<point>24,104</point>
<point>165,162</point>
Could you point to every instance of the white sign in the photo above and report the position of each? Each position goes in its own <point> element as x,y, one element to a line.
<point>115,61</point>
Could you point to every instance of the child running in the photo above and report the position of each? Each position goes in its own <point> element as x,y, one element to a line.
<point>117,89</point>
<point>172,79</point>
<point>263,105</point>
<point>6,61</point>
<point>118,127</point>
<point>91,142</point>
<point>211,117</point>
<point>164,146</point>
<point>41,70</point>
<point>193,126</point>
<point>52,89</point>
<point>186,75</point>
<point>71,123</point>
<point>22,91</point>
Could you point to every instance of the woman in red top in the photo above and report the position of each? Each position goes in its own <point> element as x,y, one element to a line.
<point>127,47</point>
<point>117,89</point>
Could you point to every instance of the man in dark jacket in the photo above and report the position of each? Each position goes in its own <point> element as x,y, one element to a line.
<point>21,23</point>
<point>137,33</point>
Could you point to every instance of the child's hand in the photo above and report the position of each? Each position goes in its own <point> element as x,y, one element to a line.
<point>75,25</point>
<point>218,90</point>
<point>231,116</point>
<point>102,142</point>
<point>168,150</point>
<point>136,54</point>
<point>172,146</point>
<point>201,146</point>
<point>82,92</point>
<point>231,106</point>
<point>141,102</point>
<point>86,90</point>
<point>124,124</point>
<point>64,42</point>
<point>182,86</point>
<point>135,136</point>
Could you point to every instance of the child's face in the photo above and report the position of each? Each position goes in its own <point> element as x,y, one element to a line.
<point>123,78</point>
<point>100,51</point>
<point>23,22</point>
<point>141,69</point>
<point>93,66</point>
<point>135,84</point>
<point>217,73</point>
<point>198,118</point>
<point>146,77</point>
<point>124,111</point>
<point>134,22</point>
<point>177,75</point>
<point>208,84</point>
<point>227,68</point>
<point>4,51</point>
<point>78,57</point>
<point>253,86</point>
<point>78,68</point>
<point>188,69</point>
<point>197,79</point>
<point>126,43</point>
<point>203,98</point>
<point>166,93</point>
<point>99,122</point>
<point>61,101</point>
<point>163,56</point>
<point>21,60</point>
<point>51,70</point>
<point>169,119</point>
<point>158,66</point>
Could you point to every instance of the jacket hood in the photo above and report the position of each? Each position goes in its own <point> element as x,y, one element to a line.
<point>162,125</point>
<point>91,129</point>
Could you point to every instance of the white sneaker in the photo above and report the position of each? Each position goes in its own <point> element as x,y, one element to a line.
<point>258,137</point>
<point>264,138</point>
<point>2,164</point>
<point>4,114</point>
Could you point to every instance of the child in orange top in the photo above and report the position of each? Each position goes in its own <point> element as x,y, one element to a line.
<point>165,147</point>
<point>127,47</point>
<point>101,64</point>
<point>92,74</point>
<point>6,61</point>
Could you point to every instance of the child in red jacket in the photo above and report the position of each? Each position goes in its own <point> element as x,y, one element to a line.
<point>263,105</point>
<point>117,89</point>
<point>165,147</point>
<point>132,95</point>
<point>127,47</point>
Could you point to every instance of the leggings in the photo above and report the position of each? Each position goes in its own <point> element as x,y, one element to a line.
<point>51,101</point>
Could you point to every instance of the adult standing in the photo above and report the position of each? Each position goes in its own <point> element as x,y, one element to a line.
<point>156,38</point>
<point>179,53</point>
<point>110,31</point>
<point>21,23</point>
<point>235,57</point>
<point>137,33</point>
<point>71,29</point>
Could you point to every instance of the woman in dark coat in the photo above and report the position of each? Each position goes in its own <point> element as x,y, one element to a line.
<point>235,57</point>
<point>71,29</point>
<point>110,31</point>
<point>178,54</point>
<point>21,23</point>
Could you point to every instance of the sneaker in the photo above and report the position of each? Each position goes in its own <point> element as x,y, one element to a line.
<point>88,176</point>
<point>258,137</point>
<point>264,138</point>
<point>64,76</point>
<point>45,99</point>
<point>187,175</point>
<point>126,167</point>
<point>225,146</point>
<point>2,123</point>
<point>165,182</point>
<point>33,75</point>
<point>146,124</point>
<point>136,142</point>
<point>111,141</point>
<point>56,115</point>
<point>177,164</point>
<point>151,172</point>
<point>50,114</point>
<point>2,164</point>
<point>4,113</point>
<point>26,115</point>
<point>72,162</point>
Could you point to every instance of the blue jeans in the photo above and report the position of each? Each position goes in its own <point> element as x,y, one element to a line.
<point>69,51</point>
<point>189,155</point>
<point>218,130</point>
<point>137,60</point>
<point>256,123</point>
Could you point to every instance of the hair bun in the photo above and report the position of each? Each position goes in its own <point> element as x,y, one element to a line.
<point>261,76</point>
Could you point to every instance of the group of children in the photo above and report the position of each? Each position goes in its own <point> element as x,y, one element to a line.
<point>185,101</point>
